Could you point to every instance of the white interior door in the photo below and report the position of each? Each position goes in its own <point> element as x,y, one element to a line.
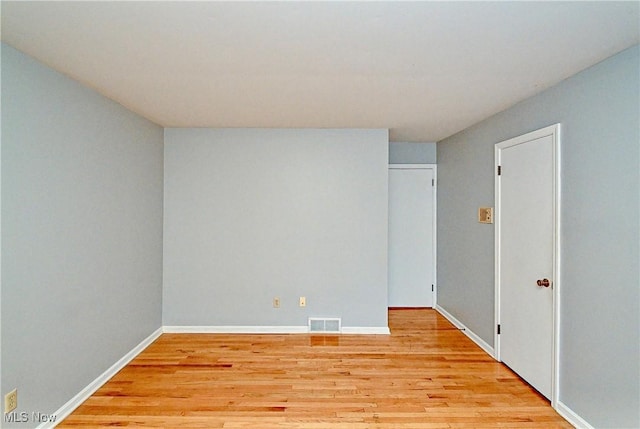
<point>411,236</point>
<point>526,241</point>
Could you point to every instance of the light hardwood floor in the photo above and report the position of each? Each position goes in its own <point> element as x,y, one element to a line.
<point>426,374</point>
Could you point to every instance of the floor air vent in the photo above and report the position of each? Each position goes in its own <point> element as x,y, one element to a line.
<point>331,325</point>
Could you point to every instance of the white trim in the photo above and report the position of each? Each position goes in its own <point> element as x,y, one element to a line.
<point>64,411</point>
<point>434,167</point>
<point>366,330</point>
<point>557,265</point>
<point>435,235</point>
<point>1,388</point>
<point>496,255</point>
<point>303,329</point>
<point>569,415</point>
<point>266,330</point>
<point>468,332</point>
<point>555,132</point>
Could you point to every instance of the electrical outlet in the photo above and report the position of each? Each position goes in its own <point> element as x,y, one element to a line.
<point>303,301</point>
<point>11,401</point>
<point>276,302</point>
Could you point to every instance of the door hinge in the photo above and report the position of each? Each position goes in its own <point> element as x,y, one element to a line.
<point>431,288</point>
<point>498,330</point>
<point>499,170</point>
<point>433,182</point>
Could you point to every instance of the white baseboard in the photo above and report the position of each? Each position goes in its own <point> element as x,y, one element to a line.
<point>266,330</point>
<point>566,412</point>
<point>235,329</point>
<point>367,330</point>
<point>468,332</point>
<point>64,411</point>
<point>570,416</point>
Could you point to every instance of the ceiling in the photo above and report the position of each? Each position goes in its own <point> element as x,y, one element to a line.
<point>425,70</point>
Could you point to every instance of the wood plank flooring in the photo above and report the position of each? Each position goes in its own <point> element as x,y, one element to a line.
<point>426,374</point>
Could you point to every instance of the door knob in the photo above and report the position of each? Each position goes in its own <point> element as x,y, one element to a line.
<point>544,283</point>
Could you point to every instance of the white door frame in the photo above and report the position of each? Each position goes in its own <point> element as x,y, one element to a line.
<point>434,168</point>
<point>554,132</point>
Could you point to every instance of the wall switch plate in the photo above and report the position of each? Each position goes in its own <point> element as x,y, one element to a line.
<point>276,302</point>
<point>11,401</point>
<point>485,215</point>
<point>303,301</point>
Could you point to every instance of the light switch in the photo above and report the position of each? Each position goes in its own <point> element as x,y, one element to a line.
<point>485,215</point>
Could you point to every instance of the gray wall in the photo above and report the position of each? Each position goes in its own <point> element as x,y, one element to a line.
<point>81,233</point>
<point>251,214</point>
<point>412,153</point>
<point>600,330</point>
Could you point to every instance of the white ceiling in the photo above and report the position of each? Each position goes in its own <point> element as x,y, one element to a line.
<point>425,70</point>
